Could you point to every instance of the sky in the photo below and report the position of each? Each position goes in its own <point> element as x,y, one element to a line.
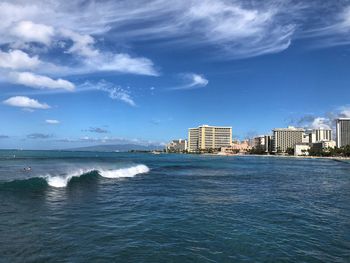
<point>80,73</point>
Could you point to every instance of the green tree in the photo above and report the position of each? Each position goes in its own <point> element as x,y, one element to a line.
<point>290,151</point>
<point>257,150</point>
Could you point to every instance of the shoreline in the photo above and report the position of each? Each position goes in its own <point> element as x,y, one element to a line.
<point>286,156</point>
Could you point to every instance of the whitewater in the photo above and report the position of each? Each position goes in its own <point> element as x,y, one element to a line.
<point>63,180</point>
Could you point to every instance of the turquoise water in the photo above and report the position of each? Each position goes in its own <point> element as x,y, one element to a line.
<point>123,207</point>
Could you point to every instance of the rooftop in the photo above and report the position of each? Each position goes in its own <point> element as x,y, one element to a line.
<point>290,128</point>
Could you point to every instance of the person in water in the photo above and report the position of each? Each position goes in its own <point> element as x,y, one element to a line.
<point>27,169</point>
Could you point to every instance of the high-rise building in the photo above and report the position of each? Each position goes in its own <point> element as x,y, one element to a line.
<point>284,138</point>
<point>193,139</point>
<point>259,142</point>
<point>343,132</point>
<point>268,144</point>
<point>209,137</point>
<point>179,145</point>
<point>319,135</point>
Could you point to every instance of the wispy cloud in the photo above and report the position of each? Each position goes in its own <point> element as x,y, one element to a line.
<point>52,121</point>
<point>97,130</point>
<point>239,28</point>
<point>109,140</point>
<point>25,102</point>
<point>115,92</point>
<point>59,27</point>
<point>34,27</point>
<point>39,136</point>
<point>192,81</point>
<point>197,80</point>
<point>333,29</point>
<point>155,121</point>
<point>4,136</point>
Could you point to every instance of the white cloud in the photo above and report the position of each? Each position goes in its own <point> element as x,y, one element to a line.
<point>326,121</point>
<point>52,121</point>
<point>115,92</point>
<point>118,93</point>
<point>242,32</point>
<point>17,59</point>
<point>198,80</point>
<point>193,81</point>
<point>111,140</point>
<point>82,44</point>
<point>242,29</point>
<point>67,27</point>
<point>345,112</point>
<point>91,32</point>
<point>333,29</point>
<point>32,32</point>
<point>39,81</point>
<point>122,63</point>
<point>320,122</point>
<point>25,102</point>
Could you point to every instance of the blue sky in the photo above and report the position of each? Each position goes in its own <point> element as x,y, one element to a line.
<point>79,73</point>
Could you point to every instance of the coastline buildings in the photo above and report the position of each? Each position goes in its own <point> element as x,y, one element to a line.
<point>178,146</point>
<point>319,135</point>
<point>213,139</point>
<point>259,142</point>
<point>263,143</point>
<point>207,137</point>
<point>268,144</point>
<point>237,147</point>
<point>343,132</point>
<point>302,149</point>
<point>315,139</point>
<point>284,138</point>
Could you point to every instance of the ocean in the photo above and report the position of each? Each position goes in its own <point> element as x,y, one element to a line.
<point>138,207</point>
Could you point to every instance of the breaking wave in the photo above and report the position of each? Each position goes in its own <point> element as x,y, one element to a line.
<point>59,181</point>
<point>125,172</point>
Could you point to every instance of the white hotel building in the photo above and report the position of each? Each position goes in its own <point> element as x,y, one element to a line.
<point>284,138</point>
<point>319,135</point>
<point>207,137</point>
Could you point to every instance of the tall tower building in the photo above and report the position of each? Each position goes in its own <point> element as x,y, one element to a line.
<point>319,135</point>
<point>209,137</point>
<point>343,132</point>
<point>284,138</point>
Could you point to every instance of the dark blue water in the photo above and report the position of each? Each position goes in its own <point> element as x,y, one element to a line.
<point>108,207</point>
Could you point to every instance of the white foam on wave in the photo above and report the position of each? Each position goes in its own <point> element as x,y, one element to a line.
<point>59,181</point>
<point>125,172</point>
<point>62,181</point>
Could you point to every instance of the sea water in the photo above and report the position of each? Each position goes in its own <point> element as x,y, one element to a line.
<point>128,207</point>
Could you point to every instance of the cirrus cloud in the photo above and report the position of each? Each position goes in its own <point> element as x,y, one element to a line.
<point>115,92</point>
<point>193,81</point>
<point>97,130</point>
<point>39,136</point>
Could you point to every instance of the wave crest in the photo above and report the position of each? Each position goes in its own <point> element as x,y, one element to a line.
<point>125,172</point>
<point>62,181</point>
